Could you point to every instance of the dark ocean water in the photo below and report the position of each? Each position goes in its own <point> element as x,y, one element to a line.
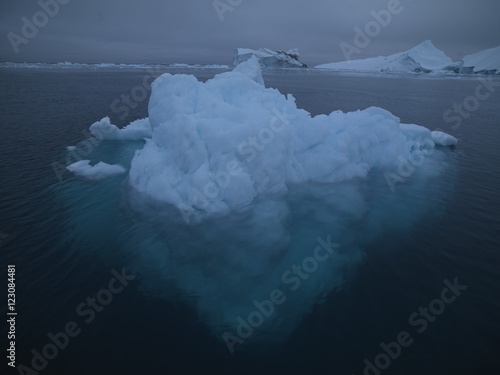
<point>46,224</point>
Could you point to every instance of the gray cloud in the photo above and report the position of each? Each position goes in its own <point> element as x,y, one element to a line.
<point>168,31</point>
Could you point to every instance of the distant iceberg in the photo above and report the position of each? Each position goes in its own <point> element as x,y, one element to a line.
<point>270,58</point>
<point>482,62</point>
<point>424,58</point>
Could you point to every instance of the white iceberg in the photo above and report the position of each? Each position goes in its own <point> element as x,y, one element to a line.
<point>218,146</point>
<point>237,187</point>
<point>482,62</point>
<point>269,58</point>
<point>100,171</point>
<point>424,58</point>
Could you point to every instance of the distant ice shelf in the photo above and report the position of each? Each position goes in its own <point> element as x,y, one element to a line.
<point>99,66</point>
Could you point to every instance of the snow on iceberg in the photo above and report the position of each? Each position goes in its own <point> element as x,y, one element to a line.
<point>424,58</point>
<point>100,171</point>
<point>136,130</point>
<point>482,62</point>
<point>269,58</point>
<point>237,187</point>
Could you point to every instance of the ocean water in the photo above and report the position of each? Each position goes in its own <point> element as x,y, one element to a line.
<point>66,237</point>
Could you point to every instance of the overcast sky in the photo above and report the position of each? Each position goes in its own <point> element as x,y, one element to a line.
<point>191,31</point>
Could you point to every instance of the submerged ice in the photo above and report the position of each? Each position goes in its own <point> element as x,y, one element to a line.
<point>235,187</point>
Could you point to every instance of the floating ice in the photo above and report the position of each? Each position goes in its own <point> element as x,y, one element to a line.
<point>443,139</point>
<point>218,146</point>
<point>100,171</point>
<point>236,187</point>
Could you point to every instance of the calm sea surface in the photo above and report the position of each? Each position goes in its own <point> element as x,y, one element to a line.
<point>66,238</point>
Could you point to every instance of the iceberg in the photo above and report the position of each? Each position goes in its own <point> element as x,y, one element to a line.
<point>269,58</point>
<point>250,209</point>
<point>224,143</point>
<point>424,58</point>
<point>482,62</point>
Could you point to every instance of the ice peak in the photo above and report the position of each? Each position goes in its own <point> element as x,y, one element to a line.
<point>428,56</point>
<point>251,69</point>
<point>426,44</point>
